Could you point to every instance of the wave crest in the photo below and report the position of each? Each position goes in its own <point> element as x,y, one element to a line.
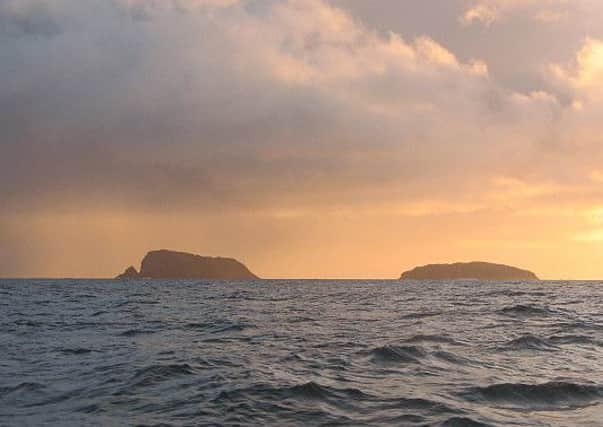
<point>155,374</point>
<point>551,395</point>
<point>526,310</point>
<point>398,354</point>
<point>529,342</point>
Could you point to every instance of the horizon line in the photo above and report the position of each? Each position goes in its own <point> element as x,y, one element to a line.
<point>297,278</point>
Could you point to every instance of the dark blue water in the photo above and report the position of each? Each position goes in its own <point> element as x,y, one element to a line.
<point>304,353</point>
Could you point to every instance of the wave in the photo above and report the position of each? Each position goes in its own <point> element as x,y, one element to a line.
<point>136,302</point>
<point>302,319</point>
<point>417,404</point>
<point>31,323</point>
<point>75,351</point>
<point>526,310</point>
<point>453,358</point>
<point>217,327</point>
<point>312,390</point>
<point>551,395</point>
<point>460,422</point>
<point>439,339</point>
<point>398,354</point>
<point>529,342</point>
<point>236,327</point>
<point>575,339</point>
<point>311,394</point>
<point>579,324</point>
<point>135,332</point>
<point>26,387</point>
<point>515,293</point>
<point>154,374</point>
<point>551,343</point>
<point>506,293</point>
<point>414,354</point>
<point>196,326</point>
<point>422,315</point>
<point>90,409</point>
<point>306,391</point>
<point>98,313</point>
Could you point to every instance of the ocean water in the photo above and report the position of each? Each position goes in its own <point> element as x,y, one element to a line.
<point>300,353</point>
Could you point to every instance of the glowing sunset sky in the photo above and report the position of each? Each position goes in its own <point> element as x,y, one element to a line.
<point>307,138</point>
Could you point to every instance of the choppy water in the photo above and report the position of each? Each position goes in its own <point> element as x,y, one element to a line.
<point>300,353</point>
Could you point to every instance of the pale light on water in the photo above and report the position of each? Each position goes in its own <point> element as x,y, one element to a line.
<point>85,352</point>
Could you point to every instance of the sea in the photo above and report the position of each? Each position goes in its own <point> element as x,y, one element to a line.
<point>300,353</point>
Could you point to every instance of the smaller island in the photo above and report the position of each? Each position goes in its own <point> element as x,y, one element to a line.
<point>165,264</point>
<point>470,270</point>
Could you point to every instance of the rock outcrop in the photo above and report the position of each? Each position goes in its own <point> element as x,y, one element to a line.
<point>130,273</point>
<point>164,264</point>
<point>470,270</point>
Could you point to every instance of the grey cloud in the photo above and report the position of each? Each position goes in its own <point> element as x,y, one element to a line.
<point>20,19</point>
<point>210,108</point>
<point>516,48</point>
<point>185,107</point>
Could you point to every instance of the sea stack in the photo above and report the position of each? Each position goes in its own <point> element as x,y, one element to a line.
<point>165,264</point>
<point>469,270</point>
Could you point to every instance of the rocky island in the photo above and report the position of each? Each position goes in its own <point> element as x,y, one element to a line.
<point>165,264</point>
<point>470,270</point>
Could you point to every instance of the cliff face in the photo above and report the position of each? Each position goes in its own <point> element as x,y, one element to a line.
<point>471,270</point>
<point>164,264</point>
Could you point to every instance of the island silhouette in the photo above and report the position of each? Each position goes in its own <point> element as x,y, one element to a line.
<point>477,270</point>
<point>167,264</point>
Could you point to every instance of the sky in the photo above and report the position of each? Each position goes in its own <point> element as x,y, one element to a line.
<point>306,138</point>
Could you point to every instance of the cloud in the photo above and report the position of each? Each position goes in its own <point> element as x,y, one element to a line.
<point>585,74</point>
<point>187,98</point>
<point>294,111</point>
<point>489,11</point>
